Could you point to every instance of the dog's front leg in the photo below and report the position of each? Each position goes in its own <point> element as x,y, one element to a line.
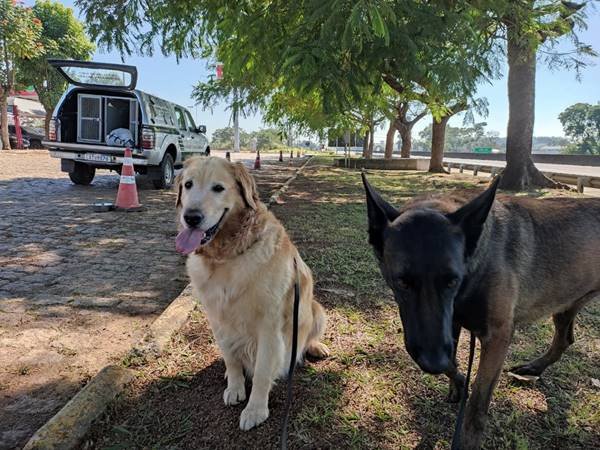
<point>493,351</point>
<point>456,379</point>
<point>236,389</point>
<point>269,353</point>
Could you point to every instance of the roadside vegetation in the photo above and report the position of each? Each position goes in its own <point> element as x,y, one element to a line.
<point>369,394</point>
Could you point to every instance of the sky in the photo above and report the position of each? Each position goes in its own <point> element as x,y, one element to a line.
<point>555,90</point>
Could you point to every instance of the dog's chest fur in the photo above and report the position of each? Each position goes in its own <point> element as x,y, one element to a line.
<point>237,294</point>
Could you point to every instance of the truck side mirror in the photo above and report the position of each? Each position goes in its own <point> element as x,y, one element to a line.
<point>201,129</point>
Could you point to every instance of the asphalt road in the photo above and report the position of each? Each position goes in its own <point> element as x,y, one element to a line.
<point>554,168</point>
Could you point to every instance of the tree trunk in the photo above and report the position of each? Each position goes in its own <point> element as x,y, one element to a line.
<point>520,172</point>
<point>366,145</point>
<point>47,120</point>
<point>438,135</point>
<point>389,141</point>
<point>371,141</point>
<point>406,136</point>
<point>4,121</point>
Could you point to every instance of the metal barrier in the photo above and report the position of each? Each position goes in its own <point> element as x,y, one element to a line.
<point>581,181</point>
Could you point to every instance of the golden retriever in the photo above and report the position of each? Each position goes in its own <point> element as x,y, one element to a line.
<point>241,266</point>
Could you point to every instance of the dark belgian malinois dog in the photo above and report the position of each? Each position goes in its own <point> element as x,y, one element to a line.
<point>486,266</point>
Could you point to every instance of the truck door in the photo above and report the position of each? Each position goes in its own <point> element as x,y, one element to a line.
<point>188,143</point>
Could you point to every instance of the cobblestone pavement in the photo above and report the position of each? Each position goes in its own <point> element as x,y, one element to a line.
<point>77,288</point>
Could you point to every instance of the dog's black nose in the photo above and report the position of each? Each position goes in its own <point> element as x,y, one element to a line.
<point>193,219</point>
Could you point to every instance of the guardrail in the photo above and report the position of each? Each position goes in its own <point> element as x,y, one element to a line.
<point>572,160</point>
<point>580,181</point>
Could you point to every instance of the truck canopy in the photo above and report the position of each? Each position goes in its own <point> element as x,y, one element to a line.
<point>90,74</point>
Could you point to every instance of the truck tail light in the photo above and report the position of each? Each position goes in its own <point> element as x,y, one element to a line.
<point>52,130</point>
<point>148,138</point>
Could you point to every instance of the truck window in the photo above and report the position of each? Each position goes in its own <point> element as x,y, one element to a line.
<point>180,119</point>
<point>190,121</point>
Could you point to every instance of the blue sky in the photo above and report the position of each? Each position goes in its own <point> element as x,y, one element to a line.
<point>555,90</point>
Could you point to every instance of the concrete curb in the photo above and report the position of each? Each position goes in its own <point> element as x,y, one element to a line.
<point>274,199</point>
<point>69,426</point>
<point>66,429</point>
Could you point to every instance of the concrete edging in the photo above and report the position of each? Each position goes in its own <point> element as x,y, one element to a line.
<point>66,429</point>
<point>275,197</point>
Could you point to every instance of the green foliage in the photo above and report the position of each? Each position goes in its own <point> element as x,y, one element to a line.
<point>581,122</point>
<point>63,37</point>
<point>266,139</point>
<point>19,39</point>
<point>338,53</point>
<point>461,138</point>
<point>542,25</point>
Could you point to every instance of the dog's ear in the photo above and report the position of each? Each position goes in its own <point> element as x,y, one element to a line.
<point>380,214</point>
<point>246,184</point>
<point>178,190</point>
<point>471,217</point>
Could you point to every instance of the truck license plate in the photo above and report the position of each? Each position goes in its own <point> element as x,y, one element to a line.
<point>97,157</point>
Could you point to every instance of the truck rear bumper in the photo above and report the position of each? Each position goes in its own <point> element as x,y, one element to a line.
<point>92,158</point>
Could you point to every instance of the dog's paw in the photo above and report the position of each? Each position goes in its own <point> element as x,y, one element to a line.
<point>252,417</point>
<point>234,395</point>
<point>456,387</point>
<point>317,350</point>
<point>527,370</point>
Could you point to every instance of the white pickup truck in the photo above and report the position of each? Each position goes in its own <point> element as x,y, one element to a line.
<point>101,103</point>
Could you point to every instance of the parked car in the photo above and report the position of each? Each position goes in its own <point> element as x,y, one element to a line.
<point>12,138</point>
<point>34,139</point>
<point>101,113</point>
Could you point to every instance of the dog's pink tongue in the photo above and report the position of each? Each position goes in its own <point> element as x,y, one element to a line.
<point>189,240</point>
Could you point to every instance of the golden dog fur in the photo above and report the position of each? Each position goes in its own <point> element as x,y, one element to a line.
<point>244,278</point>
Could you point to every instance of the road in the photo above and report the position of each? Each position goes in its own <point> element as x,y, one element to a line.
<point>552,168</point>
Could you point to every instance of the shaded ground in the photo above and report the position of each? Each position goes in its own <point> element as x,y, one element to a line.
<point>77,288</point>
<point>369,394</point>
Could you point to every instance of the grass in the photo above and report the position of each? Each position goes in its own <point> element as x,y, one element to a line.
<point>369,394</point>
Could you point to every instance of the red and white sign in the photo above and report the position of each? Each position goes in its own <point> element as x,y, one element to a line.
<point>219,71</point>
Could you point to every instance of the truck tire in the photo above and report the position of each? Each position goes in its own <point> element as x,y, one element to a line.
<point>35,144</point>
<point>166,173</point>
<point>83,174</point>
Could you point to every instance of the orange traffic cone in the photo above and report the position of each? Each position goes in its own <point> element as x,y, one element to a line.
<point>127,196</point>
<point>280,155</point>
<point>257,160</point>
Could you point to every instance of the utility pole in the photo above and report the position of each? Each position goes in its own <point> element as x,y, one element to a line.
<point>236,122</point>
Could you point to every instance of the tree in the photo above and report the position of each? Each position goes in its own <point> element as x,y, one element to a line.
<point>267,139</point>
<point>408,113</point>
<point>63,37</point>
<point>463,139</point>
<point>223,138</point>
<point>344,51</point>
<point>529,25</point>
<point>438,134</point>
<point>581,122</point>
<point>19,39</point>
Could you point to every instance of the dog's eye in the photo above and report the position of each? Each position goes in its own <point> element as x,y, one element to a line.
<point>452,283</point>
<point>188,184</point>
<point>403,283</point>
<point>218,188</point>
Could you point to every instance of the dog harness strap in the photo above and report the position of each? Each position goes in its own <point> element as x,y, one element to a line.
<point>456,439</point>
<point>288,401</point>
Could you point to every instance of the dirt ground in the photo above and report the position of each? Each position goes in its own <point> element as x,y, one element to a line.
<point>369,393</point>
<point>77,288</point>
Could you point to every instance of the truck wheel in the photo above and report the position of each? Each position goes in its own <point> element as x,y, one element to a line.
<point>35,144</point>
<point>83,174</point>
<point>166,173</point>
